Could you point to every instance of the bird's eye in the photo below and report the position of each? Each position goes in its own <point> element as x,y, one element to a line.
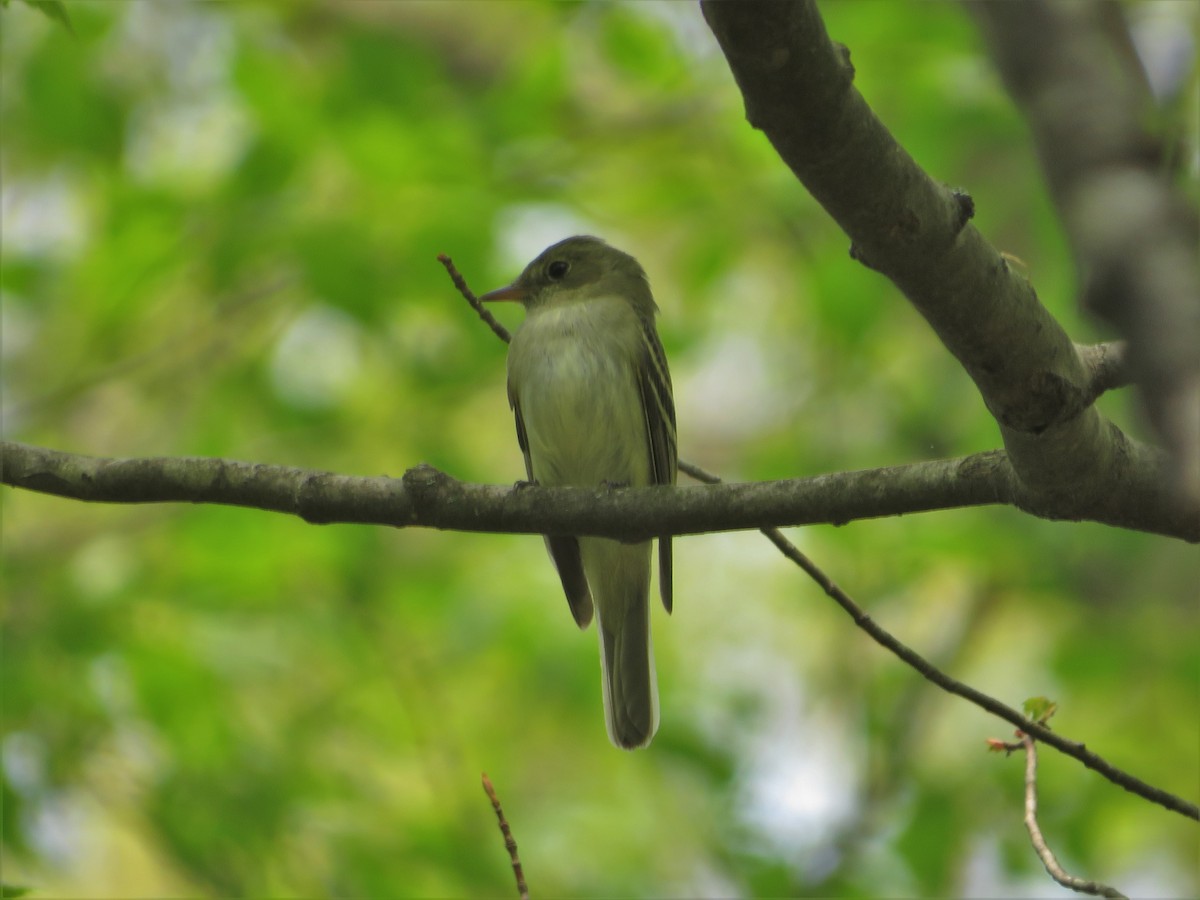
<point>558,269</point>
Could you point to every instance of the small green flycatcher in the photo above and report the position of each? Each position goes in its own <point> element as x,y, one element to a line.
<point>589,385</point>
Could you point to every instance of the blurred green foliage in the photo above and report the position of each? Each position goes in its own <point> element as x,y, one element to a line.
<point>220,230</point>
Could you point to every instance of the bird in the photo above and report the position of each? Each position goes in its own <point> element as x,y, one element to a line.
<point>591,392</point>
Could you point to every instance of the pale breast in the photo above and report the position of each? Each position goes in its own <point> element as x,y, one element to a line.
<point>577,388</point>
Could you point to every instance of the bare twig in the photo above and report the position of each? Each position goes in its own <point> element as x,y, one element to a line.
<point>1045,854</point>
<point>952,685</point>
<point>509,841</point>
<point>469,295</point>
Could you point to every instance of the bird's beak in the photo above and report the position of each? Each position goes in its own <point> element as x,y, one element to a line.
<point>515,291</point>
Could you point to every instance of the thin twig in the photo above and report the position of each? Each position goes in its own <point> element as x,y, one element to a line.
<point>461,283</point>
<point>952,685</point>
<point>883,637</point>
<point>509,841</point>
<point>1035,832</point>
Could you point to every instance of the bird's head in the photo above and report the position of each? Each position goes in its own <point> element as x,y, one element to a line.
<point>578,269</point>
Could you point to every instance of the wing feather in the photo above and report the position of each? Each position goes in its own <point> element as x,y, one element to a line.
<point>658,407</point>
<point>564,551</point>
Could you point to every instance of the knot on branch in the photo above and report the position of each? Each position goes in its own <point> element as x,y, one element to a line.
<point>426,486</point>
<point>965,205</point>
<point>858,255</point>
<point>844,53</point>
<point>310,498</point>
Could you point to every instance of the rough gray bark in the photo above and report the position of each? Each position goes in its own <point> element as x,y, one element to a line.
<point>429,498</point>
<point>1068,460</point>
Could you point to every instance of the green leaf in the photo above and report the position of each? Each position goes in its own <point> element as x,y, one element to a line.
<point>1040,709</point>
<point>11,890</point>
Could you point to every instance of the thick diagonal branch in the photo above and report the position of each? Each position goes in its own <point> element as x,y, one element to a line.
<point>798,89</point>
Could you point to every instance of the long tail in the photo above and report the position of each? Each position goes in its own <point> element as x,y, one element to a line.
<point>619,575</point>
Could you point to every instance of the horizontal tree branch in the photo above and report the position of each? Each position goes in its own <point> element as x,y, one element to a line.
<point>426,497</point>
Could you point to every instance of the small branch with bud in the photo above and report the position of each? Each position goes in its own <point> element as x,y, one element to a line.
<point>1040,709</point>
